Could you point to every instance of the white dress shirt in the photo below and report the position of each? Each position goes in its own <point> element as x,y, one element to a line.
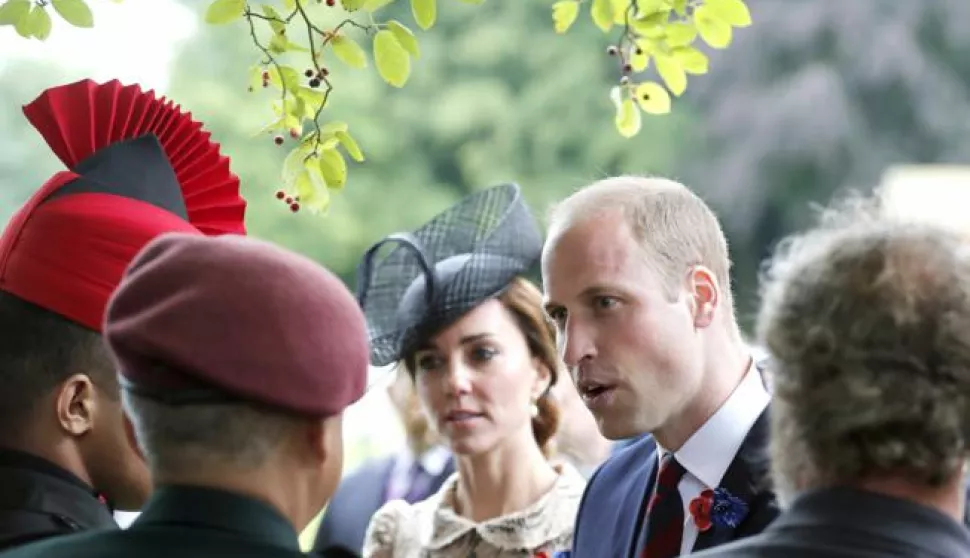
<point>707,454</point>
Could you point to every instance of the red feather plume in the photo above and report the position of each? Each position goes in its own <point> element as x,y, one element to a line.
<point>80,118</point>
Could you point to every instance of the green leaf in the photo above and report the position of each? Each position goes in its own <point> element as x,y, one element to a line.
<point>732,12</point>
<point>602,13</point>
<point>680,34</point>
<point>627,118</point>
<point>13,11</point>
<point>333,127</point>
<point>289,76</point>
<point>672,73</point>
<point>712,29</point>
<point>374,5</point>
<point>693,61</point>
<point>312,100</point>
<point>392,61</point>
<point>652,98</point>
<point>350,144</point>
<point>639,59</point>
<point>294,163</point>
<point>349,52</point>
<point>648,7</point>
<point>275,21</point>
<point>564,14</point>
<point>620,9</point>
<point>38,23</point>
<point>679,6</point>
<point>425,12</point>
<point>289,4</point>
<point>225,11</point>
<point>334,168</point>
<point>405,37</point>
<point>352,5</point>
<point>652,26</point>
<point>75,12</point>
<point>472,2</point>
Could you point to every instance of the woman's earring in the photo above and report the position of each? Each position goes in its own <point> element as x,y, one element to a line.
<point>534,409</point>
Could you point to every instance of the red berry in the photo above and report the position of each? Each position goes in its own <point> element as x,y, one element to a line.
<point>294,207</point>
<point>324,73</point>
<point>627,68</point>
<point>280,194</point>
<point>314,83</point>
<point>308,73</point>
<point>278,140</point>
<point>294,133</point>
<point>331,2</point>
<point>265,76</point>
<point>289,200</point>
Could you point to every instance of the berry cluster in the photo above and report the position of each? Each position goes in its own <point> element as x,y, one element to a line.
<point>292,201</point>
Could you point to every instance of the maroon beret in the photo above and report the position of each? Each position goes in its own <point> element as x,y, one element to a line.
<point>199,319</point>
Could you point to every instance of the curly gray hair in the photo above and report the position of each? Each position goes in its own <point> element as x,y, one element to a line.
<point>867,319</point>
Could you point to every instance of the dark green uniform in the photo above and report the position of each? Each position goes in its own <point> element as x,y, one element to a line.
<point>39,500</point>
<point>183,522</point>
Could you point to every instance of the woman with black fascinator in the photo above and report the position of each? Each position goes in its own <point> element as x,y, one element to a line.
<point>450,302</point>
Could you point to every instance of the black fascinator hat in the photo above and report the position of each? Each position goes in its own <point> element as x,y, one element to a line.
<point>464,256</point>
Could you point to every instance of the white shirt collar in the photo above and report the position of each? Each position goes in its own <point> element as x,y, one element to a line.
<point>709,452</point>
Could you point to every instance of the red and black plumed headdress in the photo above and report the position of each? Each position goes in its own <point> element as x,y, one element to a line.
<point>138,167</point>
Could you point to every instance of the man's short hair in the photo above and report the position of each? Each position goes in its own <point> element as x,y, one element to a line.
<point>675,227</point>
<point>39,350</point>
<point>181,440</point>
<point>867,319</point>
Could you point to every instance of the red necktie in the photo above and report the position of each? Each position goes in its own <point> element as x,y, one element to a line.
<point>665,512</point>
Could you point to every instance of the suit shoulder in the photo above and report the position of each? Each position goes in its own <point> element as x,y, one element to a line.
<point>624,461</point>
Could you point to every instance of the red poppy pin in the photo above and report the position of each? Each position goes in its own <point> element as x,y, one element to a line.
<point>717,507</point>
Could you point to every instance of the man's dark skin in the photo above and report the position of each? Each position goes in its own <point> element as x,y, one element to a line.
<point>65,461</point>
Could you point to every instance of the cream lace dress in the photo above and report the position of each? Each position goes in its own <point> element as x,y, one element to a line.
<point>432,529</point>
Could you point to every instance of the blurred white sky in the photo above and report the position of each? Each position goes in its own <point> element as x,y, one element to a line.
<point>134,41</point>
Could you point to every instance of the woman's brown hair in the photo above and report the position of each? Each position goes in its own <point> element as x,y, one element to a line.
<point>524,301</point>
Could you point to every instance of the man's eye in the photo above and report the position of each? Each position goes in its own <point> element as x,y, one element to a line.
<point>605,302</point>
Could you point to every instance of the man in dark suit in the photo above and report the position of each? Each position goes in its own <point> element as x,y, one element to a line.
<point>636,273</point>
<point>411,475</point>
<point>867,320</point>
<point>65,462</point>
<point>237,360</point>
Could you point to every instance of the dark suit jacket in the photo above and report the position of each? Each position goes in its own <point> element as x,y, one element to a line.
<point>358,497</point>
<point>183,522</point>
<point>39,500</point>
<point>611,513</point>
<point>847,523</point>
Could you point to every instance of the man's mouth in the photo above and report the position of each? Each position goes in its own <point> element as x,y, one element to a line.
<point>594,393</point>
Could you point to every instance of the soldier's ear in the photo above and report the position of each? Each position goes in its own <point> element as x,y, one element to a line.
<point>76,405</point>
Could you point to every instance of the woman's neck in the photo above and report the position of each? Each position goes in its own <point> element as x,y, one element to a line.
<point>505,480</point>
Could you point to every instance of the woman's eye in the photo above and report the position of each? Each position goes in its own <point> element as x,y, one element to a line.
<point>428,363</point>
<point>483,354</point>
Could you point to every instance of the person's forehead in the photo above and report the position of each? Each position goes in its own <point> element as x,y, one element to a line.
<point>488,318</point>
<point>591,253</point>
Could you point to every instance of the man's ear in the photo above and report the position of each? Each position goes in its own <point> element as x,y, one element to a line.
<point>76,405</point>
<point>705,295</point>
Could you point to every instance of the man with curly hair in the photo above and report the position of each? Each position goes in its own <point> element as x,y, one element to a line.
<point>867,319</point>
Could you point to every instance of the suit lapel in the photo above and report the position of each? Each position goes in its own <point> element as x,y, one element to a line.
<point>746,478</point>
<point>636,499</point>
